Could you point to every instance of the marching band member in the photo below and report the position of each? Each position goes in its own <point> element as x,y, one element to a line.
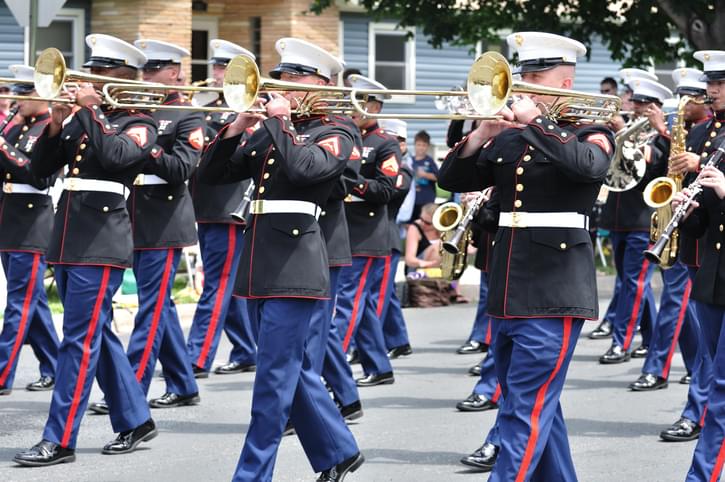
<point>90,247</point>
<point>543,286</point>
<point>26,221</point>
<point>220,241</point>
<point>295,166</point>
<point>627,217</point>
<point>369,225</point>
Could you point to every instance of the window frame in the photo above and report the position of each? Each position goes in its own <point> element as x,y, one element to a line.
<point>77,17</point>
<point>211,25</point>
<point>390,28</point>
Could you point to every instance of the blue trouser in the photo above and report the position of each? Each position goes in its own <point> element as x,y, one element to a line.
<point>220,245</point>
<point>709,456</point>
<point>480,331</point>
<point>532,357</point>
<point>321,324</point>
<point>356,312</point>
<point>27,316</point>
<point>394,329</point>
<point>287,387</point>
<point>90,349</point>
<point>612,308</point>
<point>699,387</point>
<point>157,331</point>
<point>675,323</point>
<point>488,385</point>
<point>635,273</point>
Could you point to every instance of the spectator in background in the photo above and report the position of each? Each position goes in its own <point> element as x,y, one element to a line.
<point>421,242</point>
<point>608,86</point>
<point>426,173</point>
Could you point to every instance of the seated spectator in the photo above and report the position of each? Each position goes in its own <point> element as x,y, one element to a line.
<point>422,241</point>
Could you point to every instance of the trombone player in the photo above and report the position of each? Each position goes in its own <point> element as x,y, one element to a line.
<point>543,284</point>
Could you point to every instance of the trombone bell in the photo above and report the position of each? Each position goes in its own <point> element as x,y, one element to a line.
<point>241,83</point>
<point>50,72</point>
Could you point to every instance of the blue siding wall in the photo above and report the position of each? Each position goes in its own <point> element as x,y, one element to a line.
<point>11,41</point>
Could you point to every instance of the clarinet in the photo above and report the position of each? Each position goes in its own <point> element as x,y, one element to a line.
<point>654,254</point>
<point>9,118</point>
<point>239,213</point>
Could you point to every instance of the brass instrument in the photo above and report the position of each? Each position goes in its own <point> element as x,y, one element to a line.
<point>446,219</point>
<point>659,192</point>
<point>628,163</point>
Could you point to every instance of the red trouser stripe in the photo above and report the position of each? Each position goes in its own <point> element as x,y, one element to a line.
<point>635,308</point>
<point>702,419</point>
<point>496,393</point>
<point>678,328</point>
<point>488,332</point>
<point>163,289</point>
<point>356,305</point>
<point>539,403</point>
<point>717,469</point>
<point>221,291</point>
<point>23,319</point>
<point>383,287</point>
<point>81,381</point>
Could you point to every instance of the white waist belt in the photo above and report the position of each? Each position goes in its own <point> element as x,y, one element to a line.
<point>16,188</point>
<point>79,184</point>
<point>148,180</point>
<point>277,206</point>
<point>543,220</point>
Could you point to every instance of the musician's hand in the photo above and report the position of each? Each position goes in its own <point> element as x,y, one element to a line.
<point>684,162</point>
<point>486,130</point>
<point>617,123</point>
<point>681,197</point>
<point>525,110</point>
<point>59,112</point>
<point>278,106</point>
<point>241,123</point>
<point>713,178</point>
<point>87,96</point>
<point>656,118</point>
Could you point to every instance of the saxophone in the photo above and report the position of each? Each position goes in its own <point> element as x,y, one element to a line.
<point>659,192</point>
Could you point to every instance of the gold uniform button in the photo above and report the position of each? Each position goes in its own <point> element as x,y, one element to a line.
<point>8,176</point>
<point>519,187</point>
<point>550,127</point>
<point>78,158</point>
<point>519,171</point>
<point>105,209</point>
<point>25,128</point>
<point>360,186</point>
<point>261,189</point>
<point>75,171</point>
<point>721,228</point>
<point>708,144</point>
<point>713,134</point>
<point>170,197</point>
<point>493,243</point>
<point>518,203</point>
<point>322,213</point>
<point>82,146</point>
<point>564,134</point>
<point>527,158</point>
<point>500,159</point>
<point>266,175</point>
<point>30,205</point>
<point>718,125</point>
<point>254,153</point>
<point>270,161</point>
<point>704,154</point>
<point>371,214</point>
<point>562,245</point>
<point>295,232</point>
<point>208,118</point>
<point>717,246</point>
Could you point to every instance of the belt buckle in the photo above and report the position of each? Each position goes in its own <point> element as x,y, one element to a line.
<point>518,220</point>
<point>348,198</point>
<point>257,206</point>
<point>7,188</point>
<point>72,184</point>
<point>138,181</point>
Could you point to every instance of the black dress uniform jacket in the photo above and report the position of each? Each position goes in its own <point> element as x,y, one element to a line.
<point>26,220</point>
<point>213,204</point>
<point>708,222</point>
<point>162,215</point>
<point>368,219</point>
<point>333,221</point>
<point>700,141</point>
<point>112,145</point>
<point>483,231</point>
<point>283,255</point>
<point>542,167</point>
<point>627,211</point>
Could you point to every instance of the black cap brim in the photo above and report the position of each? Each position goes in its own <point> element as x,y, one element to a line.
<point>691,91</point>
<point>645,99</point>
<point>106,63</point>
<point>539,65</point>
<point>712,76</point>
<point>295,69</point>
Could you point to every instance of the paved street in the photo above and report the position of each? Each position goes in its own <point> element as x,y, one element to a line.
<point>411,430</point>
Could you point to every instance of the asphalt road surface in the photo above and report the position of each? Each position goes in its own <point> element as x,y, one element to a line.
<point>411,430</point>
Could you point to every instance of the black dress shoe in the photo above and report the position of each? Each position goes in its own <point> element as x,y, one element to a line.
<point>376,379</point>
<point>171,400</point>
<point>128,441</point>
<point>472,346</point>
<point>45,453</point>
<point>682,430</point>
<point>640,352</point>
<point>5,391</point>
<point>199,372</point>
<point>483,459</point>
<point>399,351</point>
<point>685,380</point>
<point>338,472</point>
<point>42,384</point>
<point>235,367</point>
<point>475,370</point>
<point>352,411</point>
<point>648,382</point>
<point>476,403</point>
<point>101,408</point>
<point>615,354</point>
<point>604,330</point>
<point>352,357</point>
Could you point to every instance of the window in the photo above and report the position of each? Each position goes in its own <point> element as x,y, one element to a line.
<point>391,57</point>
<point>66,33</point>
<point>202,31</point>
<point>255,30</point>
